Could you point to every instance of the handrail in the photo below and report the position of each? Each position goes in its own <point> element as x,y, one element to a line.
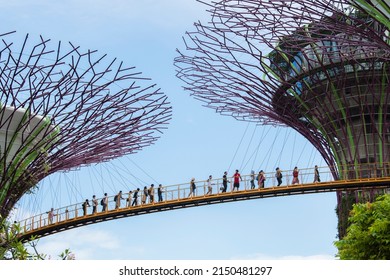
<point>181,191</point>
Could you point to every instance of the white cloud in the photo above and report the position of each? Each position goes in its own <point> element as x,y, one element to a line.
<point>85,243</point>
<point>90,243</point>
<point>260,256</point>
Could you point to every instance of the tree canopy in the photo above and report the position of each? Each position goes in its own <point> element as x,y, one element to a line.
<point>11,248</point>
<point>368,236</point>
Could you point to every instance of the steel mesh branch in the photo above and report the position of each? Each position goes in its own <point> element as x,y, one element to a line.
<point>294,63</point>
<point>89,109</point>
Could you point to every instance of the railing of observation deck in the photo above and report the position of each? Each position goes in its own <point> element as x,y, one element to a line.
<point>180,192</point>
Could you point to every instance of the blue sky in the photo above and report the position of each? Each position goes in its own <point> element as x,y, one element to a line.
<point>197,143</point>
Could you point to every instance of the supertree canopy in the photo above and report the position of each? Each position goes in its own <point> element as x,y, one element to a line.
<point>62,108</point>
<point>320,67</point>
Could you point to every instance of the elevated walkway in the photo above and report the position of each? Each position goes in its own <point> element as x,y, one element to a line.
<point>177,197</point>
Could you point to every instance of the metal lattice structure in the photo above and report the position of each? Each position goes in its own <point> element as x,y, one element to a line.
<point>320,67</point>
<point>62,108</point>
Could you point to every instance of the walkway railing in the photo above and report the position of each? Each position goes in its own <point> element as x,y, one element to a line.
<point>181,192</point>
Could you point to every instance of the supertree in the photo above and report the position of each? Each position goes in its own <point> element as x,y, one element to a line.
<point>63,108</point>
<point>320,67</point>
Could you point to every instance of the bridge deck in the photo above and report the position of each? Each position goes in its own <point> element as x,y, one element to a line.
<point>176,197</point>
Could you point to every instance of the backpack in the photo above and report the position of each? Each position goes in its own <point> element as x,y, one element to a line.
<point>115,198</point>
<point>102,202</point>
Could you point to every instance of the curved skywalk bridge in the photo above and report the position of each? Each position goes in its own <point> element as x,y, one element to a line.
<point>176,196</point>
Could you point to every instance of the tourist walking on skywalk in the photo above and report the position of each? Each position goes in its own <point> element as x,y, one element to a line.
<point>118,199</point>
<point>159,193</point>
<point>316,175</point>
<point>94,204</point>
<point>261,179</point>
<point>135,197</point>
<point>209,185</point>
<point>295,180</point>
<point>104,203</point>
<point>192,188</point>
<point>252,179</point>
<point>85,205</point>
<point>50,215</point>
<point>279,176</point>
<point>128,200</point>
<point>236,180</point>
<point>225,182</point>
<point>144,195</point>
<point>151,193</point>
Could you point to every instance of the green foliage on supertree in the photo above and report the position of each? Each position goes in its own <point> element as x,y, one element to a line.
<point>368,236</point>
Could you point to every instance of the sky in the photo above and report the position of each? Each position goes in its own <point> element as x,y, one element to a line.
<point>198,142</point>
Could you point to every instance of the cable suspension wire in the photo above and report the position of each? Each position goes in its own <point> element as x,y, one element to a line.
<point>255,153</point>
<point>293,151</point>
<point>300,154</point>
<point>242,166</point>
<point>147,174</point>
<point>270,150</point>
<point>264,135</point>
<point>124,167</point>
<point>109,188</point>
<point>238,147</point>
<point>115,171</point>
<point>312,156</point>
<point>94,188</point>
<point>258,146</point>
<point>54,194</point>
<point>286,136</point>
<point>72,186</point>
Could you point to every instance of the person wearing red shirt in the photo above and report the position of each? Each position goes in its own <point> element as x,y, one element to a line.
<point>236,180</point>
